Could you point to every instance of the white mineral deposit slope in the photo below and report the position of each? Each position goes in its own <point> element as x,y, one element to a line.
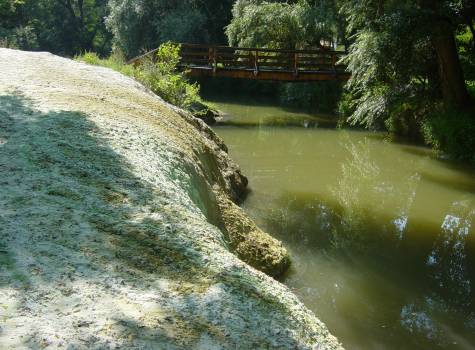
<point>112,234</point>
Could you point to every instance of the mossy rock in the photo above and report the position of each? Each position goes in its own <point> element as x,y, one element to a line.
<point>204,112</point>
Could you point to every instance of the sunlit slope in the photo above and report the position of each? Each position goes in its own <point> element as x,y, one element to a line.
<point>109,213</point>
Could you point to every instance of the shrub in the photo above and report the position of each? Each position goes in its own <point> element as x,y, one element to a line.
<point>452,132</point>
<point>466,52</point>
<point>159,74</point>
<point>116,62</point>
<point>90,58</point>
<point>6,43</point>
<point>23,38</point>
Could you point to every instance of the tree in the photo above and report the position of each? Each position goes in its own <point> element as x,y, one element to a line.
<point>83,21</point>
<point>65,27</point>
<point>403,60</point>
<point>442,28</point>
<point>69,27</point>
<point>14,31</point>
<point>144,24</point>
<point>277,24</point>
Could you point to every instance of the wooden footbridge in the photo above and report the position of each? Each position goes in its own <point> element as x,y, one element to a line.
<point>258,64</point>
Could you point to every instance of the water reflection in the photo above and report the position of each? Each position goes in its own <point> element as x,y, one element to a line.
<point>448,262</point>
<point>362,182</point>
<point>264,114</point>
<point>381,234</point>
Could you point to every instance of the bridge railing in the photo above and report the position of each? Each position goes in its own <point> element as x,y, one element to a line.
<point>238,58</point>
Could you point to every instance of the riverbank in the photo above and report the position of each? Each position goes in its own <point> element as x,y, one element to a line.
<point>119,226</point>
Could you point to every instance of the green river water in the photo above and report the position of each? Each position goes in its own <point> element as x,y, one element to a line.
<point>380,234</point>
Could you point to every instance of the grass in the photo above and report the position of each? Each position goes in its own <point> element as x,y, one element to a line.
<point>115,62</point>
<point>159,75</point>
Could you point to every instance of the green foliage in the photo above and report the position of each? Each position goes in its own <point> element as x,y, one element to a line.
<point>263,24</point>
<point>471,88</point>
<point>115,62</point>
<point>14,33</point>
<point>159,74</point>
<point>390,61</point>
<point>64,27</point>
<point>145,24</point>
<point>396,82</point>
<point>163,79</point>
<point>9,10</point>
<point>466,47</point>
<point>275,24</point>
<point>452,132</point>
<point>168,57</point>
<point>19,38</point>
<point>69,27</point>
<point>184,24</point>
<point>299,24</point>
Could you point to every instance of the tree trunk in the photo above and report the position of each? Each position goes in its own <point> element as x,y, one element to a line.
<point>452,81</point>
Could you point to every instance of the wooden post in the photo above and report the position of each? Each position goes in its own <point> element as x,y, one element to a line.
<point>334,62</point>
<point>212,62</point>
<point>215,60</point>
<point>256,62</point>
<point>296,64</point>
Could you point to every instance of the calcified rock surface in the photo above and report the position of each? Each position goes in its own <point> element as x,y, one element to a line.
<point>117,226</point>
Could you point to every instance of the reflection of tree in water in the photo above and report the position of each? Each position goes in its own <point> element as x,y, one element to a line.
<point>352,218</point>
<point>363,188</point>
<point>374,220</point>
<point>450,295</point>
<point>448,262</point>
<point>301,218</point>
<point>359,178</point>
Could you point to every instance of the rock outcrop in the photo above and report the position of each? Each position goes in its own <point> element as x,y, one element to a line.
<point>118,227</point>
<point>204,112</point>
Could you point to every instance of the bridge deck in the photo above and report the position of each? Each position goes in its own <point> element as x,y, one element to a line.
<point>259,64</point>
